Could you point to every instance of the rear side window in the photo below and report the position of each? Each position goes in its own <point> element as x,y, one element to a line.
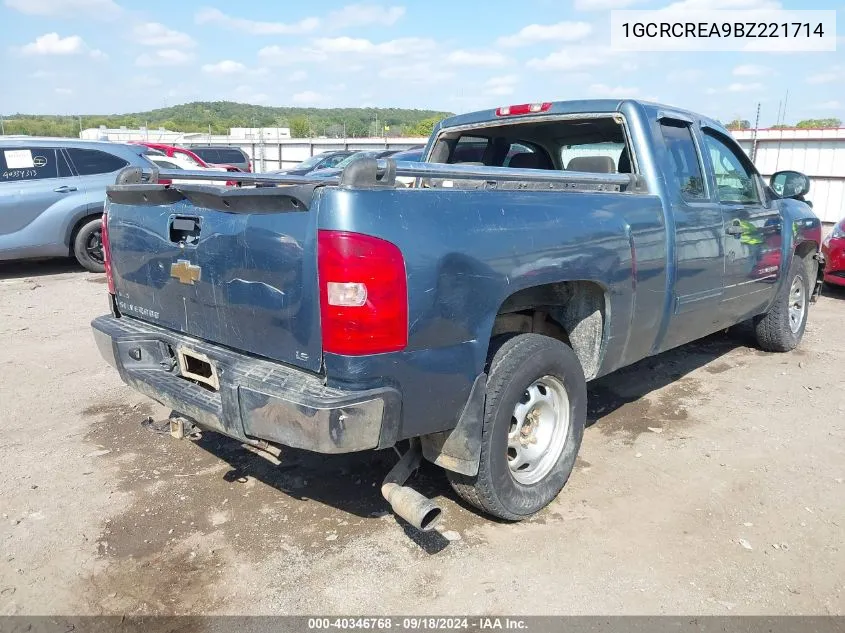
<point>226,155</point>
<point>89,162</point>
<point>208,154</point>
<point>29,163</point>
<point>684,160</point>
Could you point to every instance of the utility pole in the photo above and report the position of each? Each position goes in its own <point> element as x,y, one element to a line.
<point>2,126</point>
<point>754,135</point>
<point>780,138</point>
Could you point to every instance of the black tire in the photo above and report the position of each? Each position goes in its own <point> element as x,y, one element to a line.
<point>774,330</point>
<point>516,365</point>
<point>88,246</point>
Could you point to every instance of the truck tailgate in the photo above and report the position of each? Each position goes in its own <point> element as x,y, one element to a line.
<point>198,260</point>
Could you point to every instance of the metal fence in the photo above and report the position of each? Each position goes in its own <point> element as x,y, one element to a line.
<point>818,153</point>
<point>270,155</point>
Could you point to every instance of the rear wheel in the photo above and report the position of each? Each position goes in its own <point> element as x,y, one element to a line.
<point>782,327</point>
<point>534,420</point>
<point>88,246</point>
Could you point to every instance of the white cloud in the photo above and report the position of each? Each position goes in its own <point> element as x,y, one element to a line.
<point>750,70</point>
<point>476,58</point>
<point>52,44</point>
<point>156,34</point>
<point>73,8</point>
<point>357,15</point>
<point>255,27</point>
<point>829,76</point>
<point>165,57</point>
<point>64,91</point>
<point>308,97</point>
<point>279,56</point>
<point>603,5</point>
<point>828,105</point>
<point>578,58</point>
<point>225,67</point>
<point>560,32</point>
<point>706,5</point>
<point>612,92</point>
<point>397,47</point>
<point>744,87</point>
<point>501,86</point>
<point>298,75</point>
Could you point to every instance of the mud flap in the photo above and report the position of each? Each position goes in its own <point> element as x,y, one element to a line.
<point>459,449</point>
<point>817,291</point>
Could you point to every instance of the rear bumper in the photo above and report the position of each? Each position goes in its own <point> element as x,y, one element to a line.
<point>257,399</point>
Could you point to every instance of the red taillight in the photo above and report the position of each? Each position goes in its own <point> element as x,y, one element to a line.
<point>363,294</point>
<point>523,108</point>
<point>104,238</point>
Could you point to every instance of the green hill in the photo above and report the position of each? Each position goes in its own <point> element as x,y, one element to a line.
<point>222,115</point>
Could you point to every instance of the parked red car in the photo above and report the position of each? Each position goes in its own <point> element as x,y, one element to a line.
<point>833,249</point>
<point>170,150</point>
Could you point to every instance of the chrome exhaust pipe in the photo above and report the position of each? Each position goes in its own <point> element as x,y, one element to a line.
<point>419,511</point>
<point>416,509</point>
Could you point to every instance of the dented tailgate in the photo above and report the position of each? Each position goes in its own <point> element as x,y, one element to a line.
<point>235,267</point>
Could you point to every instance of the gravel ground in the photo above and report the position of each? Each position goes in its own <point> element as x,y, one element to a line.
<point>710,481</point>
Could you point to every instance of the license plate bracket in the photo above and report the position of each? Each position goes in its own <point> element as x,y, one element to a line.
<point>197,366</point>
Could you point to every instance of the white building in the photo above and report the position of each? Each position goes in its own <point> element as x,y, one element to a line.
<point>818,153</point>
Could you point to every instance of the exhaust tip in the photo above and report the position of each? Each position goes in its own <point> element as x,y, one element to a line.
<point>416,509</point>
<point>430,519</point>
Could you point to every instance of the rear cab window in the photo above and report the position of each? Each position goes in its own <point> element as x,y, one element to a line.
<point>32,163</point>
<point>90,162</point>
<point>588,143</point>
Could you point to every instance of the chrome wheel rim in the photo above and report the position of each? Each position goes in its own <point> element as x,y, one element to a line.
<point>797,304</point>
<point>538,431</point>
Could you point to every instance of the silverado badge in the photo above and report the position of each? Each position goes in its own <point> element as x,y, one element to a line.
<point>185,271</point>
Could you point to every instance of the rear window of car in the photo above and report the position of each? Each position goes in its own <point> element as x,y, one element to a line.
<point>227,155</point>
<point>220,154</point>
<point>89,162</point>
<point>32,163</point>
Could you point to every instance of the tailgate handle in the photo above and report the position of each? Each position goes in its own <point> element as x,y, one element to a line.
<point>184,229</point>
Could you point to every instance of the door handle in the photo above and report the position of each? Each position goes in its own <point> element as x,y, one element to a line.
<point>733,229</point>
<point>64,189</point>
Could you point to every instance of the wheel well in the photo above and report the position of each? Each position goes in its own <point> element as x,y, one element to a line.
<point>806,250</point>
<point>571,311</point>
<point>79,224</point>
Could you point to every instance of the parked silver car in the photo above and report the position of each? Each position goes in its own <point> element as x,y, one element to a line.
<point>52,193</point>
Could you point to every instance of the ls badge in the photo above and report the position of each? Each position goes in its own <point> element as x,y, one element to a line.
<point>185,272</point>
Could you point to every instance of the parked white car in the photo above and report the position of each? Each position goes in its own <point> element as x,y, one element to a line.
<point>178,162</point>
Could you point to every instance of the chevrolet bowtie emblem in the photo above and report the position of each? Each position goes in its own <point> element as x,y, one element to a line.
<point>185,271</point>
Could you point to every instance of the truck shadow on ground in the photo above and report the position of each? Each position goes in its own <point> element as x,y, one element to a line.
<point>835,292</point>
<point>351,483</point>
<point>39,268</point>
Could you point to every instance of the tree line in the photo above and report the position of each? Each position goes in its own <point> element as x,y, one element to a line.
<point>806,124</point>
<point>218,116</point>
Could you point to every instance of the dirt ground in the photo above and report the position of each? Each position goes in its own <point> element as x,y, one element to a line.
<point>710,481</point>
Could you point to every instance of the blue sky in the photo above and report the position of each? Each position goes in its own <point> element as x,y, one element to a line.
<point>113,56</point>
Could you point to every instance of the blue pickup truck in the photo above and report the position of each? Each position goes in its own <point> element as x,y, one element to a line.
<point>540,247</point>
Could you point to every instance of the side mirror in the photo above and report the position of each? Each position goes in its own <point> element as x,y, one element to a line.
<point>790,184</point>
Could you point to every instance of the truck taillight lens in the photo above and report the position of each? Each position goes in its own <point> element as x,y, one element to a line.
<point>363,294</point>
<point>104,237</point>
